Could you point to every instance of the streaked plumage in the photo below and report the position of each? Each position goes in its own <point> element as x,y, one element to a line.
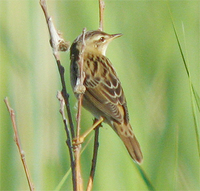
<point>104,95</point>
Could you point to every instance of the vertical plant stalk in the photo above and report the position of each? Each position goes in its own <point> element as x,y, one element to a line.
<point>101,14</point>
<point>94,160</point>
<point>17,141</point>
<point>96,139</point>
<point>80,90</point>
<point>58,44</point>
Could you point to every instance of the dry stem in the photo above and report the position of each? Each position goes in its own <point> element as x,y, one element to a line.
<point>17,141</point>
<point>101,14</point>
<point>94,160</point>
<point>80,89</point>
<point>58,44</point>
<point>96,139</point>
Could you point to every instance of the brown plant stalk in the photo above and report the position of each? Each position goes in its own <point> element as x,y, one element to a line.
<point>80,90</point>
<point>96,139</point>
<point>101,14</point>
<point>58,44</point>
<point>94,159</point>
<point>17,141</point>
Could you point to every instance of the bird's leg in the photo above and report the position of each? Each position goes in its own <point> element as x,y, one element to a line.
<point>82,137</point>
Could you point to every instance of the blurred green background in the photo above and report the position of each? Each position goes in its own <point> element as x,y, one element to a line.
<point>149,64</point>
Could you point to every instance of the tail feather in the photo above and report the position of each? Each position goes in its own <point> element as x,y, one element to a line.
<point>126,134</point>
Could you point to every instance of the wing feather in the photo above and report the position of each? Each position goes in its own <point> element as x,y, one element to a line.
<point>103,88</point>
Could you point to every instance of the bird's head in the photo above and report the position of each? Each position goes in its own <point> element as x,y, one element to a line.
<point>97,41</point>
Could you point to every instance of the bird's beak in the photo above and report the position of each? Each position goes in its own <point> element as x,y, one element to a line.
<point>109,39</point>
<point>113,36</point>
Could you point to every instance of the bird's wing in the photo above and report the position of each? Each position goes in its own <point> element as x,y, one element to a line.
<point>103,88</point>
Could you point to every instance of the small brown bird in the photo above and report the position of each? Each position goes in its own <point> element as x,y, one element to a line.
<point>104,96</point>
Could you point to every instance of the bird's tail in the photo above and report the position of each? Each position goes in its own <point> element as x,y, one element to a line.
<point>125,132</point>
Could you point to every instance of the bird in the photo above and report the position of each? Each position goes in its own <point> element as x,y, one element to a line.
<point>104,96</point>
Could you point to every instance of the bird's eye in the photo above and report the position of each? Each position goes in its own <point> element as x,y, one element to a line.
<point>102,39</point>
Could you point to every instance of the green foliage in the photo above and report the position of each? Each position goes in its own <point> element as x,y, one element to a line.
<point>157,60</point>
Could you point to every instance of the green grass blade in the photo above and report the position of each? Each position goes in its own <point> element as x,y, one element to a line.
<point>194,94</point>
<point>63,180</point>
<point>145,178</point>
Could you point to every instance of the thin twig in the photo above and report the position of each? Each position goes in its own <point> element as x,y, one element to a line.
<point>58,188</point>
<point>59,44</point>
<point>96,139</point>
<point>17,141</point>
<point>66,97</point>
<point>101,14</point>
<point>94,159</point>
<point>69,143</point>
<point>96,142</point>
<point>79,89</point>
<point>77,150</point>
